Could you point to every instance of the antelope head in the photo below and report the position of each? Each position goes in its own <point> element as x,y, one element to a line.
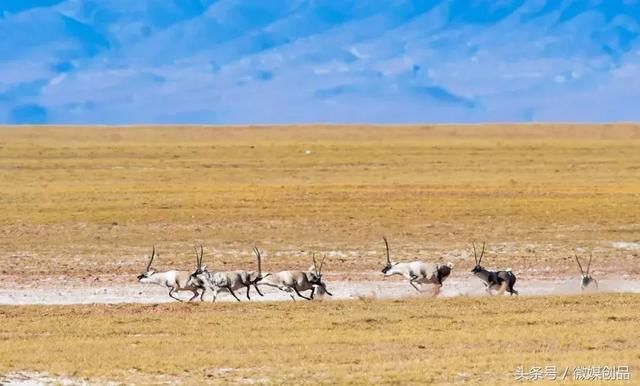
<point>389,263</point>
<point>316,275</point>
<point>148,272</point>
<point>200,269</point>
<point>478,268</point>
<point>586,276</point>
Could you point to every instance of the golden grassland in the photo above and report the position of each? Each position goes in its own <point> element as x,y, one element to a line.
<point>81,201</point>
<point>456,340</point>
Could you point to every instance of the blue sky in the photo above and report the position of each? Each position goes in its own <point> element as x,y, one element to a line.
<point>293,61</point>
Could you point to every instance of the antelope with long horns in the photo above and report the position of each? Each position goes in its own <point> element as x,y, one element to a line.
<point>227,281</point>
<point>174,280</point>
<point>587,279</point>
<point>298,281</point>
<point>498,280</point>
<point>418,272</point>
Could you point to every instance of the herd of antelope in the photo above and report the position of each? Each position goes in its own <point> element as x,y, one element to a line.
<point>417,273</point>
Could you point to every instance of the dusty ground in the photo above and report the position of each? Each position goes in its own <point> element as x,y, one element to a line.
<point>341,290</point>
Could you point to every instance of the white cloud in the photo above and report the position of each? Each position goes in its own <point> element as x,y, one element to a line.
<point>57,79</point>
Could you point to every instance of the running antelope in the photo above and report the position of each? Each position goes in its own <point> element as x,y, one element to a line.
<point>226,281</point>
<point>418,272</point>
<point>175,280</point>
<point>297,281</point>
<point>587,279</point>
<point>499,280</point>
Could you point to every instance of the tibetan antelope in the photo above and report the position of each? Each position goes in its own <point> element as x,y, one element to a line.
<point>587,279</point>
<point>418,272</point>
<point>226,281</point>
<point>175,280</point>
<point>498,280</point>
<point>298,281</point>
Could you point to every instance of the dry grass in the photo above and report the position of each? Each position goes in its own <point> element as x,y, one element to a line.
<point>480,340</point>
<point>81,201</point>
<point>84,202</point>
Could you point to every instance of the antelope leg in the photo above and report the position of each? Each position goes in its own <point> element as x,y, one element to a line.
<point>299,294</point>
<point>503,287</point>
<point>171,294</point>
<point>255,285</point>
<point>324,287</point>
<point>232,293</point>
<point>488,289</point>
<point>414,285</point>
<point>215,294</point>
<point>286,289</point>
<point>195,294</point>
<point>204,289</point>
<point>248,288</point>
<point>436,290</point>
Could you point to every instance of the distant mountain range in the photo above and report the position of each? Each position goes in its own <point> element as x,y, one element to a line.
<point>291,61</point>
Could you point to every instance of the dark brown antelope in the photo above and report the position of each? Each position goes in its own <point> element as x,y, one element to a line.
<point>587,279</point>
<point>498,280</point>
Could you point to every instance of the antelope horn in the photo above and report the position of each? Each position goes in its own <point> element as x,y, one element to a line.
<point>197,257</point>
<point>481,253</point>
<point>589,264</point>
<point>315,264</point>
<point>257,252</point>
<point>475,254</point>
<point>322,264</point>
<point>578,261</point>
<point>386,244</point>
<point>153,254</point>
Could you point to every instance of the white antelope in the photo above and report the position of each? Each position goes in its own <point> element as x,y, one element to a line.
<point>298,281</point>
<point>226,281</point>
<point>498,280</point>
<point>418,272</point>
<point>174,280</point>
<point>587,279</point>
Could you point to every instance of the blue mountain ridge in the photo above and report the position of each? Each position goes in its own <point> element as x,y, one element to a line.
<point>293,61</point>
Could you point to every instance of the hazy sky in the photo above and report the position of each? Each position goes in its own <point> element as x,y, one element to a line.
<point>289,61</point>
